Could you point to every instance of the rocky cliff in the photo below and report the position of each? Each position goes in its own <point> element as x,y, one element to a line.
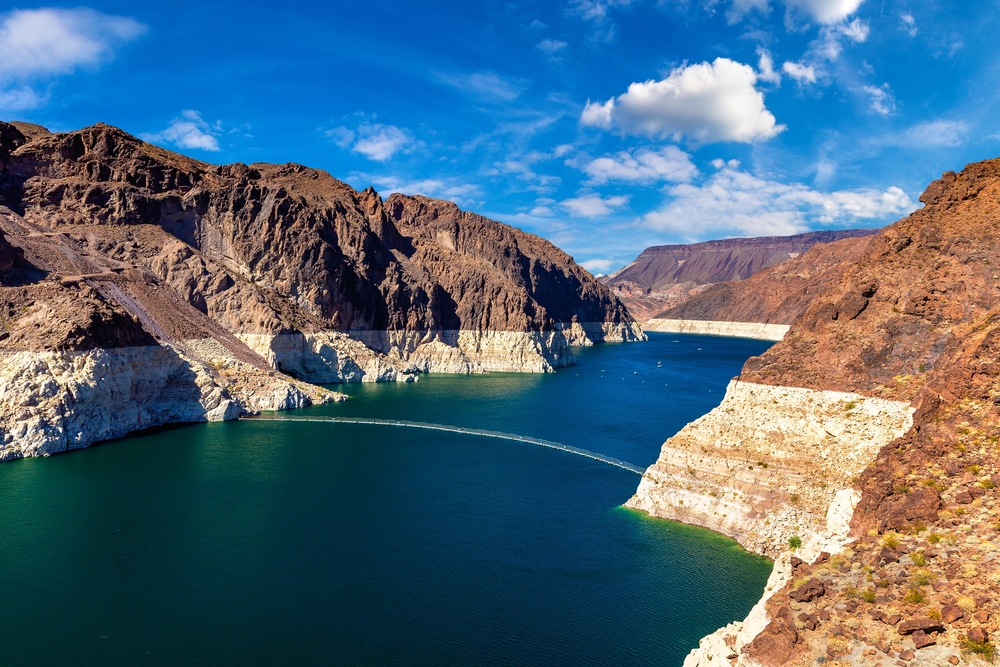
<point>210,285</point>
<point>910,327</point>
<point>664,277</point>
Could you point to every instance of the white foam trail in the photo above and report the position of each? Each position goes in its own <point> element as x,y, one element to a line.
<point>624,465</point>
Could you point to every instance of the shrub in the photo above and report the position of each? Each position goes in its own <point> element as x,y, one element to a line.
<point>850,405</point>
<point>794,542</point>
<point>890,539</point>
<point>921,577</point>
<point>868,595</point>
<point>984,649</point>
<point>987,484</point>
<point>794,499</point>
<point>933,538</point>
<point>902,489</point>
<point>934,613</point>
<point>914,596</point>
<point>918,559</point>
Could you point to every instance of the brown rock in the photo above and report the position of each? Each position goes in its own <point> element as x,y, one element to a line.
<point>776,643</point>
<point>978,634</point>
<point>953,659</point>
<point>921,639</point>
<point>808,591</point>
<point>963,497</point>
<point>894,619</point>
<point>981,616</point>
<point>951,613</point>
<point>919,623</point>
<point>906,655</point>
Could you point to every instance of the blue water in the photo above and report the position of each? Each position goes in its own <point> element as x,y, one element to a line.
<point>311,543</point>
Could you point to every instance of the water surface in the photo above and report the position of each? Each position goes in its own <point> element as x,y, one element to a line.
<point>315,544</point>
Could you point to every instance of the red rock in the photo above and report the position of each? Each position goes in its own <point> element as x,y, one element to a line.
<point>894,619</point>
<point>824,615</point>
<point>951,613</point>
<point>921,639</point>
<point>963,497</point>
<point>953,659</point>
<point>981,616</point>
<point>775,645</point>
<point>808,591</point>
<point>978,634</point>
<point>919,623</point>
<point>906,655</point>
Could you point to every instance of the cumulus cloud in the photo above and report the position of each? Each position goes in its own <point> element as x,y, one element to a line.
<point>594,206</point>
<point>882,101</point>
<point>765,68</point>
<point>737,203</point>
<point>704,103</point>
<point>38,44</point>
<point>487,86</point>
<point>598,266</point>
<point>642,166</point>
<point>373,140</point>
<point>823,11</point>
<point>188,131</point>
<point>801,73</point>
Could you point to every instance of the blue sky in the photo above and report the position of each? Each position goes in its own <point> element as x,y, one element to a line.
<point>605,126</point>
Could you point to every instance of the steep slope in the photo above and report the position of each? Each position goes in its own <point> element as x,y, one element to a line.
<point>317,278</point>
<point>776,295</point>
<point>664,277</point>
<point>140,287</point>
<point>912,327</point>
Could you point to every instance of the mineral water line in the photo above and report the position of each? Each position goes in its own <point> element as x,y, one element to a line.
<point>624,465</point>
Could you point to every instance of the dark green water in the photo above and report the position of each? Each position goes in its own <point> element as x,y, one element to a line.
<point>281,543</point>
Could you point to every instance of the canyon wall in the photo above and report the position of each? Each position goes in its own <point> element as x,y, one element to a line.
<point>756,330</point>
<point>665,277</point>
<point>895,557</point>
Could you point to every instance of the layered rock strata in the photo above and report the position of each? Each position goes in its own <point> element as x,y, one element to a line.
<point>323,281</point>
<point>915,320</point>
<point>665,277</point>
<point>767,463</point>
<point>756,330</point>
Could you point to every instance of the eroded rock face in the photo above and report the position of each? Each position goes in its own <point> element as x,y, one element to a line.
<point>274,251</point>
<point>664,278</point>
<point>915,321</point>
<point>139,287</point>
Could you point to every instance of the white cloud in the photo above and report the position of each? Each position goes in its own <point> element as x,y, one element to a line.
<point>642,166</point>
<point>551,47</point>
<point>593,206</point>
<point>373,140</point>
<point>597,266</point>
<point>42,43</point>
<point>703,102</point>
<point>801,73</point>
<point>452,189</point>
<point>824,11</point>
<point>595,10</point>
<point>737,203</point>
<point>188,131</point>
<point>765,68</point>
<point>883,103</point>
<point>487,86</point>
<point>521,169</point>
<point>908,24</point>
<point>932,134</point>
<point>740,8</point>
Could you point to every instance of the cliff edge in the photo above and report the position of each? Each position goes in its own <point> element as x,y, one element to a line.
<point>861,453</point>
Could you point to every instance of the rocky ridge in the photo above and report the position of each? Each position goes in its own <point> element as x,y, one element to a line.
<point>913,321</point>
<point>665,277</point>
<point>140,287</point>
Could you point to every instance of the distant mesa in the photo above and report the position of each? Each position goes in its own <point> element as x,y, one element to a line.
<point>664,277</point>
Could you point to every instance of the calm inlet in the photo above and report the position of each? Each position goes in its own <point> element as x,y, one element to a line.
<point>283,542</point>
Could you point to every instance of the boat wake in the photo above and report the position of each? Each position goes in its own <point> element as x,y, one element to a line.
<point>618,463</point>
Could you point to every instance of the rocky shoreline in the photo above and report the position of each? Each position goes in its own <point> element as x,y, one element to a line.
<point>768,466</point>
<point>757,330</point>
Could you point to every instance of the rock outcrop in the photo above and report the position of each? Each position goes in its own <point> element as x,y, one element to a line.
<point>778,294</point>
<point>664,277</point>
<point>139,287</point>
<point>913,323</point>
<point>298,263</point>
